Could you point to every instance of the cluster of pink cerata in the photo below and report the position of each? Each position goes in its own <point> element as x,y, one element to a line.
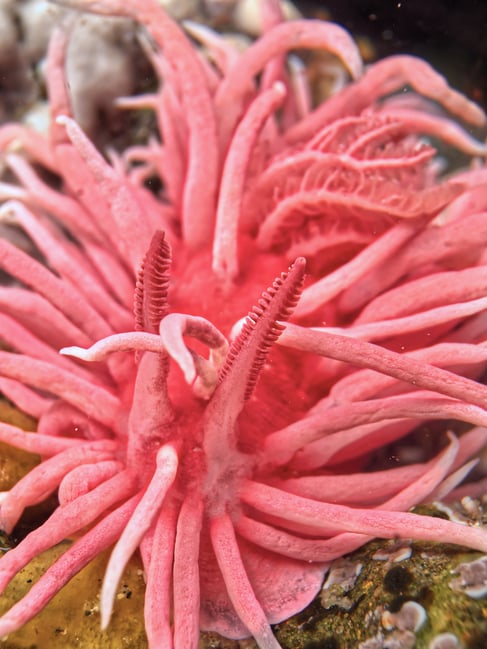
<point>231,450</point>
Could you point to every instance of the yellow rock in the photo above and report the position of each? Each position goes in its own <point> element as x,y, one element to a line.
<point>14,463</point>
<point>72,618</point>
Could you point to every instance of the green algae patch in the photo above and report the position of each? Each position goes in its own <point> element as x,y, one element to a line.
<point>72,618</point>
<point>370,613</point>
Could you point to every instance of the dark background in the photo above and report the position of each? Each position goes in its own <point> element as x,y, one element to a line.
<point>450,34</point>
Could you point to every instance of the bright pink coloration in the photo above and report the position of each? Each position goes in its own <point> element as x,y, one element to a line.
<point>234,455</point>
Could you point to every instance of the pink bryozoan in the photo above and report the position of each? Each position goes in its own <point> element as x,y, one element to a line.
<point>231,452</point>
